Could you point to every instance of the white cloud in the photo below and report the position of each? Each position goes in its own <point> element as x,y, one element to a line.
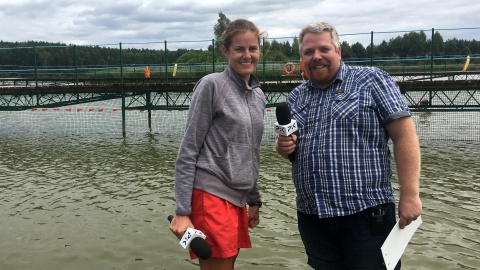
<point>111,22</point>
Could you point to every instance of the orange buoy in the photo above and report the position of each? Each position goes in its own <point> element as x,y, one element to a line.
<point>147,72</point>
<point>289,68</point>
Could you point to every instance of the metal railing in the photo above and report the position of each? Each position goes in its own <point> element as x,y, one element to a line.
<point>117,66</point>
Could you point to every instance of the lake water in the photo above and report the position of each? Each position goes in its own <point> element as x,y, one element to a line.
<point>75,195</point>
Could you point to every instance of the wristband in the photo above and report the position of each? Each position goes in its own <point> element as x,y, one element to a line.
<point>259,204</point>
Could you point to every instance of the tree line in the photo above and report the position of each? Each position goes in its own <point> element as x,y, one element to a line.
<point>44,54</point>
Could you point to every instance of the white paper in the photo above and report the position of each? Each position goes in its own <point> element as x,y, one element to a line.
<point>397,241</point>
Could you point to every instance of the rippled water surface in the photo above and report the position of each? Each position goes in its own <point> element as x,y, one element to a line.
<point>96,201</point>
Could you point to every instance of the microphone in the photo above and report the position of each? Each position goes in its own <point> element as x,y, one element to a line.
<point>285,125</point>
<point>195,241</point>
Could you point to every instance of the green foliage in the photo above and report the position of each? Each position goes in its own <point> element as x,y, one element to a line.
<point>195,57</point>
<point>19,55</point>
<point>275,56</point>
<point>295,49</point>
<point>220,26</point>
<point>218,29</point>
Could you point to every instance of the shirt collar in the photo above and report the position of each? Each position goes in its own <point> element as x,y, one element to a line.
<point>232,74</point>
<point>342,72</point>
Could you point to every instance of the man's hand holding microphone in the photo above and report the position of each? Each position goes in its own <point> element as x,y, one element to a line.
<point>285,127</point>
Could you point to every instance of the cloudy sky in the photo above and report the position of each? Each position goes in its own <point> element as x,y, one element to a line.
<point>96,22</point>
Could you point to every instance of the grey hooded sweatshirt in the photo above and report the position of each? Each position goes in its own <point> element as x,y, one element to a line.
<point>220,151</point>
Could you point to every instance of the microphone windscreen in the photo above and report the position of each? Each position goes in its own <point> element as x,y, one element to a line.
<point>283,114</point>
<point>201,248</point>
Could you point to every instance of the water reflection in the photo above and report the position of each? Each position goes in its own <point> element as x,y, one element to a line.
<point>98,202</point>
<point>448,239</point>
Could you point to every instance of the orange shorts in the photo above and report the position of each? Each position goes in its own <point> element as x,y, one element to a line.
<point>224,224</point>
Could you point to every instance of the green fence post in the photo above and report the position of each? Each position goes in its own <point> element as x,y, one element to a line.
<point>76,63</point>
<point>431,56</point>
<point>124,118</point>
<point>121,64</point>
<point>371,48</point>
<point>166,62</point>
<point>124,129</point>
<point>35,64</point>
<point>431,68</point>
<point>213,55</point>
<point>149,109</point>
<point>263,59</point>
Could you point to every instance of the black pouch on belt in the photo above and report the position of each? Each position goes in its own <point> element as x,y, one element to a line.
<point>377,220</point>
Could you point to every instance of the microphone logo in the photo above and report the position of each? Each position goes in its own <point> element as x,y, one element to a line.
<point>189,235</point>
<point>286,130</point>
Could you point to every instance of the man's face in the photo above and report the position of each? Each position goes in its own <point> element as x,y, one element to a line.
<point>320,59</point>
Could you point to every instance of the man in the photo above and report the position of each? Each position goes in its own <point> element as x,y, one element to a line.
<point>342,170</point>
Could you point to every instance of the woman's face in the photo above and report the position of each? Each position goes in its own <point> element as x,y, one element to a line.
<point>243,53</point>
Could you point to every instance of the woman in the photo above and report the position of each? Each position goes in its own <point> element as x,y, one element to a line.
<point>218,161</point>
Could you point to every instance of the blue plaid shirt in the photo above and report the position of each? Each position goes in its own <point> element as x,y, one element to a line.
<point>343,161</point>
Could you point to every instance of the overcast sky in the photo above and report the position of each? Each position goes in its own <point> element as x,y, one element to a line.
<point>96,22</point>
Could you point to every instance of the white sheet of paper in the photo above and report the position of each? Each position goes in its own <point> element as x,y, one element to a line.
<point>397,241</point>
